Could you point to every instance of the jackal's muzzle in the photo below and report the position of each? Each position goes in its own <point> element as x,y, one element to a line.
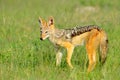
<point>41,39</point>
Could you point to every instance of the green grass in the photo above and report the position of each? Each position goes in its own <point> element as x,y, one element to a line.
<point>24,57</point>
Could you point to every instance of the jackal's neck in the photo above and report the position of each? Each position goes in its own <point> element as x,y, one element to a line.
<point>56,34</point>
<point>52,35</point>
<point>52,30</point>
<point>52,27</point>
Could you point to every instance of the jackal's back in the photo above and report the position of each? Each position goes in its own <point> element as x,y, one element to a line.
<point>80,30</point>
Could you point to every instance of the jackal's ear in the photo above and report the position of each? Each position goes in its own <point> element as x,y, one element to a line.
<point>51,21</point>
<point>40,20</point>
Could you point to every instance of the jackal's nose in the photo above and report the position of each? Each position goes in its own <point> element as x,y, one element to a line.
<point>41,39</point>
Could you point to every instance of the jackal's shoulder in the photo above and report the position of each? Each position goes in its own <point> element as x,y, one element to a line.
<point>59,33</point>
<point>72,32</point>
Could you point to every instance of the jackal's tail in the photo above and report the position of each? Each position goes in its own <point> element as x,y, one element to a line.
<point>103,46</point>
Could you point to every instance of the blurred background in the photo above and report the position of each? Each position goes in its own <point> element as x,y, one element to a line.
<point>24,57</point>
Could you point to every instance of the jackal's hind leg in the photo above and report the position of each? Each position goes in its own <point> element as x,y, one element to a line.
<point>91,56</point>
<point>91,46</point>
<point>92,61</point>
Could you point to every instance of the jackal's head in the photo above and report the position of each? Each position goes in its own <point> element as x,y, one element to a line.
<point>46,27</point>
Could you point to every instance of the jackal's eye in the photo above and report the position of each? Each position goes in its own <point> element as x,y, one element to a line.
<point>46,31</point>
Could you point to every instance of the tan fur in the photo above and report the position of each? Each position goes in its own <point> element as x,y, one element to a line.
<point>91,36</point>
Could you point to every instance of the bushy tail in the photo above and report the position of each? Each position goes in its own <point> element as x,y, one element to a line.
<point>103,46</point>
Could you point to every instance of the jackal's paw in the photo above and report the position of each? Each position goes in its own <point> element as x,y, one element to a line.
<point>57,64</point>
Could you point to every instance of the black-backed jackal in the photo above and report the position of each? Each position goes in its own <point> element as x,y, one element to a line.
<point>92,36</point>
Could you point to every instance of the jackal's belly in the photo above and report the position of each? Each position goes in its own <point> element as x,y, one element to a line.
<point>80,39</point>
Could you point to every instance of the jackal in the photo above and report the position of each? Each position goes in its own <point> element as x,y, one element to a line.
<point>91,35</point>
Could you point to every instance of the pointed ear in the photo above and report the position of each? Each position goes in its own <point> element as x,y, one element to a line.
<point>51,21</point>
<point>40,20</point>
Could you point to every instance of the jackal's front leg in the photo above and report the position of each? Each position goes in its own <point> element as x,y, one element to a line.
<point>58,58</point>
<point>69,55</point>
<point>58,55</point>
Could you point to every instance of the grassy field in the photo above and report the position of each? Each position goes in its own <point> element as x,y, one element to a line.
<point>24,57</point>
